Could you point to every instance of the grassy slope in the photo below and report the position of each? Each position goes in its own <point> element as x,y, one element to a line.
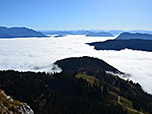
<point>7,104</point>
<point>91,80</point>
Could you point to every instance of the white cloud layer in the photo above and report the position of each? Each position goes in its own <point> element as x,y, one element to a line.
<point>39,54</point>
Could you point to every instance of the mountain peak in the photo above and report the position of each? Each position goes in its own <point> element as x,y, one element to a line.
<point>85,64</point>
<point>16,32</point>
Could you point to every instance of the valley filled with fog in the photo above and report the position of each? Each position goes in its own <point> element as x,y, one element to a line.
<point>39,54</point>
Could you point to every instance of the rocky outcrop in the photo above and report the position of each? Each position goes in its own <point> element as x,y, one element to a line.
<point>10,106</point>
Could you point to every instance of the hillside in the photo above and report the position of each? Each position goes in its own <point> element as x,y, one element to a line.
<point>127,36</point>
<point>85,64</point>
<point>76,91</point>
<point>16,32</point>
<point>99,34</point>
<point>134,44</point>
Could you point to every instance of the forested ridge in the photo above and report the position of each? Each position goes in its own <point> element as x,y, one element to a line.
<point>75,91</point>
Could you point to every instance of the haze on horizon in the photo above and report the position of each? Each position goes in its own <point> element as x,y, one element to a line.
<point>77,14</point>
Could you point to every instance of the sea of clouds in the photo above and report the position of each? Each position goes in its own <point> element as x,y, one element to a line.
<point>39,54</point>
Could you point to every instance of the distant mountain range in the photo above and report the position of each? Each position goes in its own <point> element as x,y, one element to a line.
<point>99,34</point>
<point>17,32</point>
<point>118,32</point>
<point>91,33</point>
<point>127,35</point>
<point>66,32</point>
<point>84,32</point>
<point>134,41</point>
<point>134,44</point>
<point>141,31</point>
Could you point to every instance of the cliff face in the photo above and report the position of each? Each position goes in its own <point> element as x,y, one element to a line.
<point>10,106</point>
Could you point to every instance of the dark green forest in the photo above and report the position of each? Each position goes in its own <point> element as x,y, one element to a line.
<point>83,87</point>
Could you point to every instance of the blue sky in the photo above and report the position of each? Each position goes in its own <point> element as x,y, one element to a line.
<point>77,14</point>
